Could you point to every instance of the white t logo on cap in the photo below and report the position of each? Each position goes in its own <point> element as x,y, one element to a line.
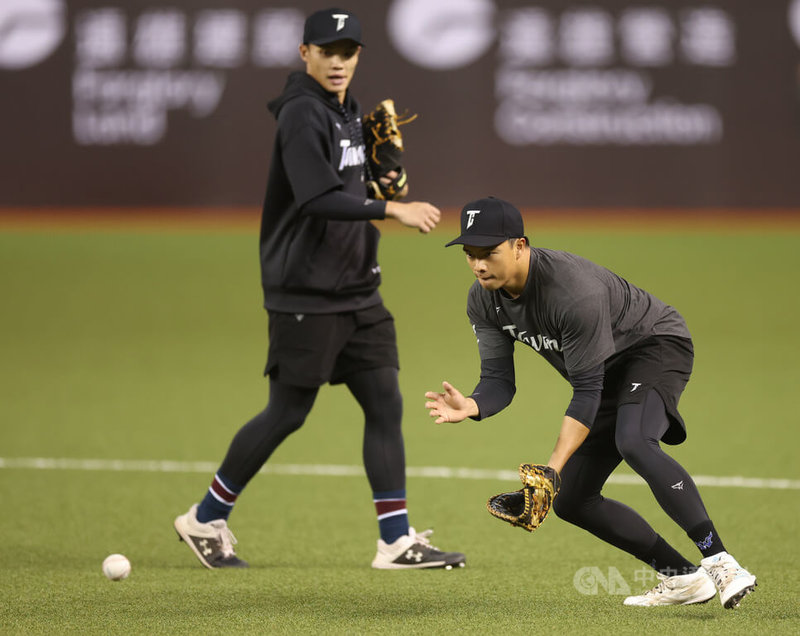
<point>340,18</point>
<point>472,214</point>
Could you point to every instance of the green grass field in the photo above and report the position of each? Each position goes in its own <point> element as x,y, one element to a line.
<point>125,345</point>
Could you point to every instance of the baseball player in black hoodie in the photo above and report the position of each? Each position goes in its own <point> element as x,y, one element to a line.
<point>327,322</point>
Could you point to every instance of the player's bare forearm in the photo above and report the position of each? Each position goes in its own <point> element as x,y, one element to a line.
<point>450,405</point>
<point>569,439</point>
<point>418,214</point>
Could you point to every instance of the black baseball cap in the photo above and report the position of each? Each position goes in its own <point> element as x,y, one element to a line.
<point>331,25</point>
<point>488,222</point>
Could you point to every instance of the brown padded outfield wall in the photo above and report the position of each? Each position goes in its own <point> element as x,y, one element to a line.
<point>599,103</point>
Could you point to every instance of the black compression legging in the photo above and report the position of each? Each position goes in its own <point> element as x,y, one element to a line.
<point>377,392</point>
<point>639,428</point>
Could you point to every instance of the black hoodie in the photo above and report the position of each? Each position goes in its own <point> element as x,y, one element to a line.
<point>310,263</point>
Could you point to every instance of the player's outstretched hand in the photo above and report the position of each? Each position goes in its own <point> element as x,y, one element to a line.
<point>418,214</point>
<point>450,405</point>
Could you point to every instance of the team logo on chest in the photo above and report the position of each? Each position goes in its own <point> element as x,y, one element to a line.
<point>537,342</point>
<point>351,155</point>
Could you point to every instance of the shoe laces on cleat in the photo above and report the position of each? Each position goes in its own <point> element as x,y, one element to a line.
<point>424,538</point>
<point>723,572</point>
<point>662,586</point>
<point>225,538</point>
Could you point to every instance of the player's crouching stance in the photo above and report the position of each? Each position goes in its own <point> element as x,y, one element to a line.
<point>327,321</point>
<point>628,357</point>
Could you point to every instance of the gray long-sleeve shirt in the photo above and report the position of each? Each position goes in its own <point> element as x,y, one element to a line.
<point>574,313</point>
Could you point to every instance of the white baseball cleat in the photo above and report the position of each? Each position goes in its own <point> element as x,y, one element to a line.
<point>211,542</point>
<point>414,551</point>
<point>684,589</point>
<point>731,579</point>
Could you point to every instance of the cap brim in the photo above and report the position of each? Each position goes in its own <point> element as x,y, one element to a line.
<point>323,41</point>
<point>478,240</point>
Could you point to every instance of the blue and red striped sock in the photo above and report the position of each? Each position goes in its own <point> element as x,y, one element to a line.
<point>392,514</point>
<point>219,500</point>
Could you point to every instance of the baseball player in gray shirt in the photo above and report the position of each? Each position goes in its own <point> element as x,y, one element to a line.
<point>628,357</point>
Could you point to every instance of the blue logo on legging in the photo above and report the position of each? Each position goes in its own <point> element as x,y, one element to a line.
<point>705,543</point>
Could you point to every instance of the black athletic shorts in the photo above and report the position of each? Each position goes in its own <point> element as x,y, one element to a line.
<point>662,363</point>
<point>312,349</point>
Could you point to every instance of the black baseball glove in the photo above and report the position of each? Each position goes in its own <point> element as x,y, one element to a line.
<point>384,146</point>
<point>528,506</point>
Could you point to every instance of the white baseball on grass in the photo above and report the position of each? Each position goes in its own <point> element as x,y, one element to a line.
<point>116,567</point>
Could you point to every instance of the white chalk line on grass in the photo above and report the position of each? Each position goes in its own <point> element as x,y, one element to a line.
<point>334,470</point>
